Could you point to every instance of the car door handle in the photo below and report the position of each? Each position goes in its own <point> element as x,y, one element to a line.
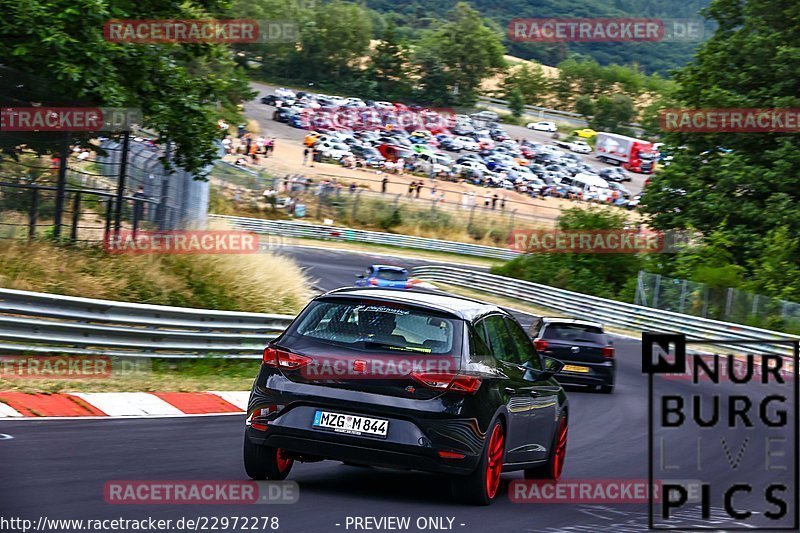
<point>535,394</point>
<point>509,390</point>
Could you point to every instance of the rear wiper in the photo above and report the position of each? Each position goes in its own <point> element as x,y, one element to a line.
<point>386,346</point>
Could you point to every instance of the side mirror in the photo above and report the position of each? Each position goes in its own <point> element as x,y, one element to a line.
<point>552,366</point>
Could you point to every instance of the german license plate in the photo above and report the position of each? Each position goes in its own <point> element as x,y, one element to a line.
<point>351,424</point>
<point>577,368</point>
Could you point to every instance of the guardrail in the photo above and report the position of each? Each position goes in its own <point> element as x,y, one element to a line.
<point>610,312</point>
<point>39,323</point>
<point>318,231</point>
<point>541,111</point>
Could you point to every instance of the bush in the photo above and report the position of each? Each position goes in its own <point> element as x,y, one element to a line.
<point>607,275</point>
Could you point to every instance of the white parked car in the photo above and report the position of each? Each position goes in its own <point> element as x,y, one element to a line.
<point>542,126</point>
<point>580,147</point>
<point>355,102</point>
<point>282,92</point>
<point>468,143</point>
<point>333,149</point>
<point>471,165</point>
<point>552,150</point>
<point>384,105</point>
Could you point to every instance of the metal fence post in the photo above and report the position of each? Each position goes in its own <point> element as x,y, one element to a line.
<point>683,295</point>
<point>33,213</point>
<point>655,291</point>
<point>76,214</point>
<point>61,187</point>
<point>729,302</point>
<point>123,169</point>
<point>355,205</point>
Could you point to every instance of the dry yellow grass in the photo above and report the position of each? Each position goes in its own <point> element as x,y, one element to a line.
<point>259,282</point>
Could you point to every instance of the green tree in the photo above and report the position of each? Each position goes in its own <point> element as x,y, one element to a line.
<point>585,106</point>
<point>467,48</point>
<point>516,103</point>
<point>607,275</point>
<point>748,194</point>
<point>612,113</point>
<point>530,81</point>
<point>178,87</point>
<point>389,65</point>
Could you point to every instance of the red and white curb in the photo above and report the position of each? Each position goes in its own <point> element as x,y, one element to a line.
<point>16,405</point>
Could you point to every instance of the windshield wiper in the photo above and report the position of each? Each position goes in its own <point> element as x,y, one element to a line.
<point>387,346</point>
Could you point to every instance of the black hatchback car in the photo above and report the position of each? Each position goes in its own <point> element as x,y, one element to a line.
<point>414,380</point>
<point>583,347</point>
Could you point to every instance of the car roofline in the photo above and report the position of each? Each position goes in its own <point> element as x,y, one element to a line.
<point>390,293</point>
<point>570,320</point>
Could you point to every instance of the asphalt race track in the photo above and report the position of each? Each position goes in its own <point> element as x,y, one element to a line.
<point>58,468</point>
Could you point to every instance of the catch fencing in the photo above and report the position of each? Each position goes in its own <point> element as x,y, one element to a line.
<point>612,313</point>
<point>303,230</point>
<point>718,303</point>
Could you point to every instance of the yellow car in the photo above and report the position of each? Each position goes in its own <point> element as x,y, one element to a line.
<point>586,133</point>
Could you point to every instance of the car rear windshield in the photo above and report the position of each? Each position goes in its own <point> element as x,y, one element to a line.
<point>574,333</point>
<point>378,327</point>
<point>392,275</point>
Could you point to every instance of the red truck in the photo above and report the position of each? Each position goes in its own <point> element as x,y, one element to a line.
<point>632,154</point>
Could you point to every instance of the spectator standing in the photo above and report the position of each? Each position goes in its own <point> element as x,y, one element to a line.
<point>494,200</point>
<point>384,183</point>
<point>486,200</point>
<point>419,188</point>
<point>503,202</point>
<point>464,200</point>
<point>411,187</point>
<point>305,156</point>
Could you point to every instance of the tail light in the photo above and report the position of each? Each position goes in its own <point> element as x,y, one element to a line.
<point>540,345</point>
<point>259,419</point>
<point>278,358</point>
<point>608,352</point>
<point>446,381</point>
<point>373,281</point>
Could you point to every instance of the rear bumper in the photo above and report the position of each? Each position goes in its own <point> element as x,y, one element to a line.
<point>354,450</point>
<point>599,374</point>
<point>417,429</point>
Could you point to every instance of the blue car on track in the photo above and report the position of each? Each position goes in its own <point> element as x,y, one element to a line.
<point>392,277</point>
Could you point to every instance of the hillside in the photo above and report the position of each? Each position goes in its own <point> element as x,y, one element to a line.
<point>652,57</point>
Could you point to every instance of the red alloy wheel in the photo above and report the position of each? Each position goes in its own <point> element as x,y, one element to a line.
<point>494,465</point>
<point>561,449</point>
<point>282,460</point>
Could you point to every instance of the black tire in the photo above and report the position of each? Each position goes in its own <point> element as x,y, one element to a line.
<point>472,489</point>
<point>551,469</point>
<point>265,462</point>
